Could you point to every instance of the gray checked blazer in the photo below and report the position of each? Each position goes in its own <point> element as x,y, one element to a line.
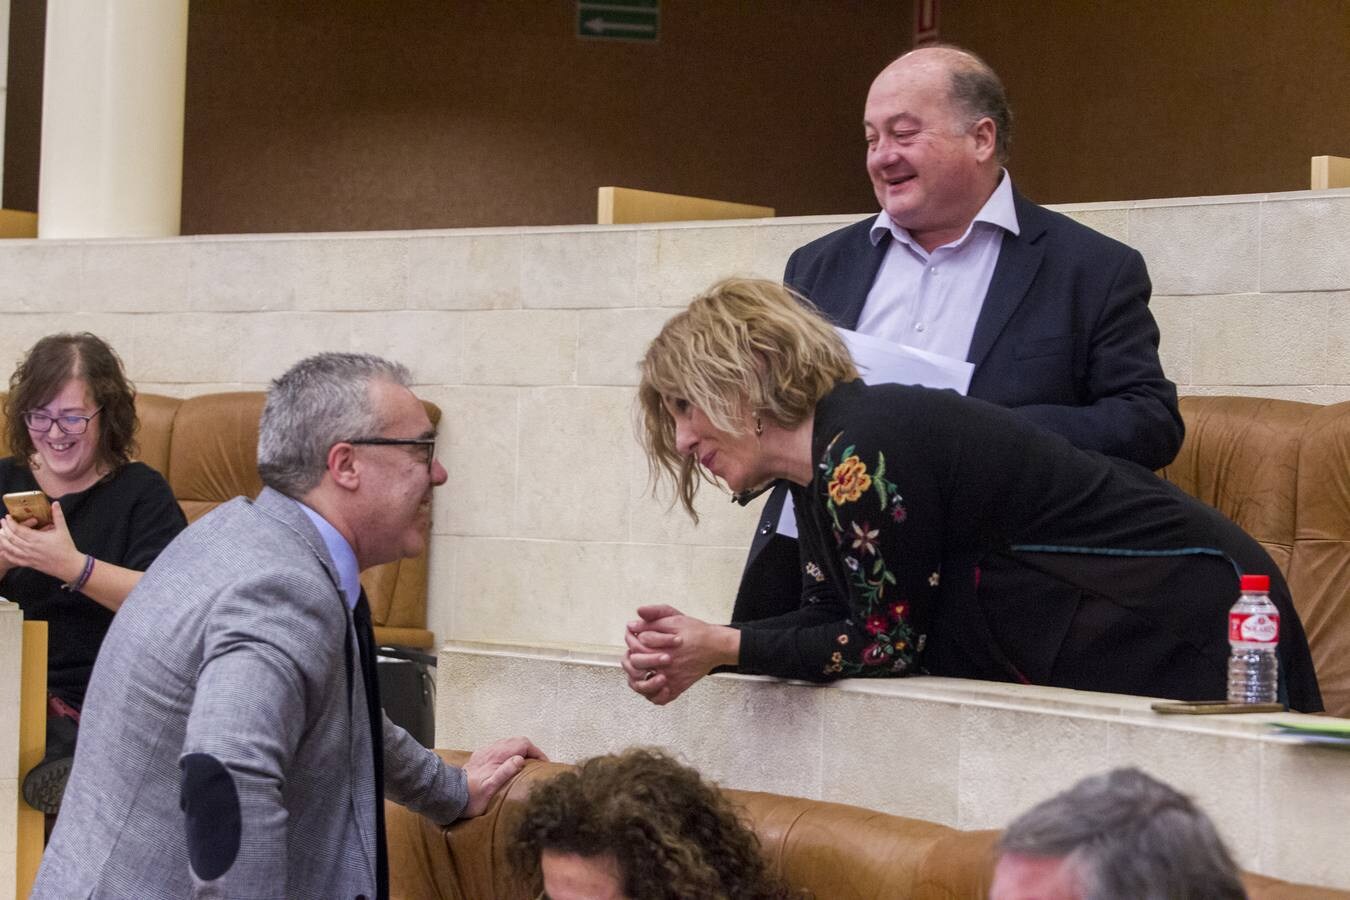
<point>225,675</point>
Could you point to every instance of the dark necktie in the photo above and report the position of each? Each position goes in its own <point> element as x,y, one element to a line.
<point>365,642</point>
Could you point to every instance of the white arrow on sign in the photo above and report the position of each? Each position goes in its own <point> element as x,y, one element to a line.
<point>598,25</point>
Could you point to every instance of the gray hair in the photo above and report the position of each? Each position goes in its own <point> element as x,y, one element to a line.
<point>977,92</point>
<point>1128,835</point>
<point>319,402</point>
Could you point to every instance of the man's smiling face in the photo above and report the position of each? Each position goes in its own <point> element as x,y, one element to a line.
<point>929,169</point>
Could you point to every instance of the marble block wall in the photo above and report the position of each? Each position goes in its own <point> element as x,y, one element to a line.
<point>528,340</point>
<point>969,754</point>
<point>1251,292</point>
<point>11,659</point>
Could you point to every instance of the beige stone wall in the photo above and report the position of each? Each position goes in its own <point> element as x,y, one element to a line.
<point>11,659</point>
<point>528,339</point>
<point>969,754</point>
<point>1252,292</point>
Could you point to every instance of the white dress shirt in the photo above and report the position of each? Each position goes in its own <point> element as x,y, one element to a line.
<point>930,301</point>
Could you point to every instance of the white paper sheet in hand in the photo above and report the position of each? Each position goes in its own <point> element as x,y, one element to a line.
<point>880,361</point>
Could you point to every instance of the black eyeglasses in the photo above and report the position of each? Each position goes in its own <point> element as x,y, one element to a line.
<point>40,421</point>
<point>428,445</point>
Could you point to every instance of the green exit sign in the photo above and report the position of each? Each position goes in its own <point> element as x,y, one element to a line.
<point>619,20</point>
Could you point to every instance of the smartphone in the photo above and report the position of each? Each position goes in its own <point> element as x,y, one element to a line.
<point>25,505</point>
<point>1213,707</point>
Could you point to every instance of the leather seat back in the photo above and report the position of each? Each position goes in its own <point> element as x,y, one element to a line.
<point>206,447</point>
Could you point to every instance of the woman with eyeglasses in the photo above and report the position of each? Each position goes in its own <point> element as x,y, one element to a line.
<point>70,424</point>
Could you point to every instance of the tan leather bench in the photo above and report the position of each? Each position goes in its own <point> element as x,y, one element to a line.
<point>1281,470</point>
<point>837,852</point>
<point>206,447</point>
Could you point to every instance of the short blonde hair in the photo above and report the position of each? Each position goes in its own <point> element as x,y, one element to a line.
<point>743,345</point>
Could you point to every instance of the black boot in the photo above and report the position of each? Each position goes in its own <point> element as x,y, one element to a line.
<point>45,783</point>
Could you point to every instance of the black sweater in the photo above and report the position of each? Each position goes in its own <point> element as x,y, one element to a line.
<point>125,519</point>
<point>946,535</point>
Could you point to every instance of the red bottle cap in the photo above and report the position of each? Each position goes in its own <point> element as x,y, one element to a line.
<point>1255,583</point>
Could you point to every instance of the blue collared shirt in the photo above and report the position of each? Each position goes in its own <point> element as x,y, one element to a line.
<point>931,300</point>
<point>344,557</point>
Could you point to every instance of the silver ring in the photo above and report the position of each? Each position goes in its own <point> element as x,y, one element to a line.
<point>649,674</point>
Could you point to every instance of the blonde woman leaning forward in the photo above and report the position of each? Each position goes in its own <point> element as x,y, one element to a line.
<point>939,534</point>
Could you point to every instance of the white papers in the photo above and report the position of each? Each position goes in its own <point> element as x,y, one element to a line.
<point>880,361</point>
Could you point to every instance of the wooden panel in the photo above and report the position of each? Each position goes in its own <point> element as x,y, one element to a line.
<point>1330,172</point>
<point>32,745</point>
<point>319,115</point>
<point>17,224</point>
<point>624,206</point>
<point>431,114</point>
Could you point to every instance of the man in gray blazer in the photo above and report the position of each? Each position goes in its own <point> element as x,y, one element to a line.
<point>231,743</point>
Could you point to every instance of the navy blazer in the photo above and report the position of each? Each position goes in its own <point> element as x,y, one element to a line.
<point>1064,336</point>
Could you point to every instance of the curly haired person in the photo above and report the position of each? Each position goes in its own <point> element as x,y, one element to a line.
<point>638,826</point>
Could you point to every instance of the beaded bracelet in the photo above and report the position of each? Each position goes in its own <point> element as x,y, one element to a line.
<point>79,583</point>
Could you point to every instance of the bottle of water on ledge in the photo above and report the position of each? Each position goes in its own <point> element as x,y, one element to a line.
<point>1253,633</point>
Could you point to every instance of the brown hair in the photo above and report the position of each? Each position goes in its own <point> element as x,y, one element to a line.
<point>52,362</point>
<point>745,344</point>
<point>672,834</point>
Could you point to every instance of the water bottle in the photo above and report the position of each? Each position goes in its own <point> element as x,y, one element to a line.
<point>1253,633</point>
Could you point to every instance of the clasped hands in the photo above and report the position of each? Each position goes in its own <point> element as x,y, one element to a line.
<point>49,550</point>
<point>667,651</point>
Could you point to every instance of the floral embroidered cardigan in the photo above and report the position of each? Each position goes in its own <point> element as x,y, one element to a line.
<point>870,569</point>
<point>919,493</point>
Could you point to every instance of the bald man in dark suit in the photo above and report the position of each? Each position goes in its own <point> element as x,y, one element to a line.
<point>1053,315</point>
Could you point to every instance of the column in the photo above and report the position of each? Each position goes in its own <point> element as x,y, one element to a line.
<point>4,88</point>
<point>112,119</point>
